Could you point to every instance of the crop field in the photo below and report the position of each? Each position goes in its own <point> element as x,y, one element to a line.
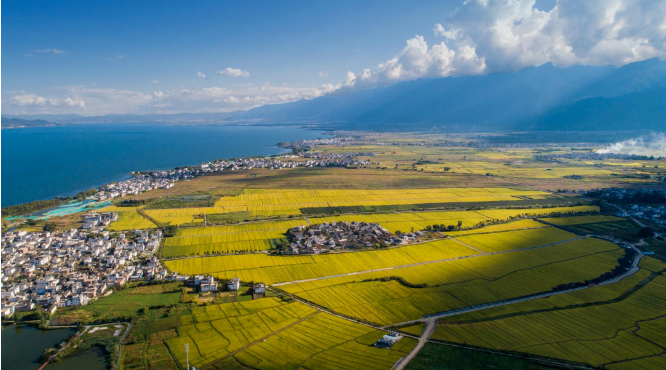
<point>405,221</point>
<point>381,298</point>
<point>131,220</point>
<point>276,269</point>
<point>289,201</point>
<point>226,239</point>
<point>516,239</point>
<point>521,170</point>
<point>257,236</point>
<point>598,294</point>
<point>509,226</point>
<point>625,332</point>
<point>179,216</point>
<point>222,329</point>
<point>581,220</point>
<point>324,341</point>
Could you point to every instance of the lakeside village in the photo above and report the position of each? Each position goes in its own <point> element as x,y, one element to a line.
<point>141,182</point>
<point>338,235</point>
<point>72,268</point>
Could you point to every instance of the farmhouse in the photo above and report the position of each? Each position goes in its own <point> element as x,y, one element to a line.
<point>233,284</point>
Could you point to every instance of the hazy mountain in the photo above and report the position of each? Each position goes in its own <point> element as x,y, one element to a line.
<point>18,123</point>
<point>545,98</point>
<point>188,118</point>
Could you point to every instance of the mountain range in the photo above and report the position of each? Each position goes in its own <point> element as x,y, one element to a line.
<point>539,98</point>
<point>631,97</point>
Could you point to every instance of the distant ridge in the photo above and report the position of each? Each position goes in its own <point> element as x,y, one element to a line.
<point>538,98</point>
<point>175,118</point>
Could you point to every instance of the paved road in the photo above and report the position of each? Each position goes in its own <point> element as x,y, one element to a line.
<point>431,325</point>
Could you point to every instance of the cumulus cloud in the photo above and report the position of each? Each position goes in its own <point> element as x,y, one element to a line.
<point>201,75</point>
<point>489,36</point>
<point>648,145</point>
<point>234,72</point>
<point>50,51</point>
<point>323,74</point>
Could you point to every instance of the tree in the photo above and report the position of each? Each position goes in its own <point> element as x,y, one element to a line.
<point>450,228</point>
<point>49,226</point>
<point>170,230</point>
<point>645,232</point>
<point>398,232</point>
<point>459,224</point>
<point>447,169</point>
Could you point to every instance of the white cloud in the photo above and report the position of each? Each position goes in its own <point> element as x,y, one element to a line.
<point>488,36</point>
<point>234,72</point>
<point>201,75</point>
<point>154,82</point>
<point>50,51</point>
<point>32,100</point>
<point>323,74</point>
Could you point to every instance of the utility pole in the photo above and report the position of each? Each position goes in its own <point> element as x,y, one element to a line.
<point>187,354</point>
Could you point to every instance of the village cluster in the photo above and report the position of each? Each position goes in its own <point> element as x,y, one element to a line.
<point>324,237</point>
<point>71,268</point>
<point>140,183</point>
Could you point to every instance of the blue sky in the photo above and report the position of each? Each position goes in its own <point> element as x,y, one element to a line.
<point>99,57</point>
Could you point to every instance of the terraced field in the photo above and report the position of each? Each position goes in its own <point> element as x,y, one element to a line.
<point>619,327</point>
<point>131,220</point>
<point>381,298</point>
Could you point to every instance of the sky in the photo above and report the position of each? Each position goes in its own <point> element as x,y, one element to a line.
<point>138,57</point>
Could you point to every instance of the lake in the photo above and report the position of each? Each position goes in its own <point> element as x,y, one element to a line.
<point>45,162</point>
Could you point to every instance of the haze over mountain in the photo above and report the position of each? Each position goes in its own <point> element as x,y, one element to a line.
<point>540,98</point>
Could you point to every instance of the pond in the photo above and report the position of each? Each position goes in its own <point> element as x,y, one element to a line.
<point>23,345</point>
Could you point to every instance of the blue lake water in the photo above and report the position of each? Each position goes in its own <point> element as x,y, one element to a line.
<point>45,162</point>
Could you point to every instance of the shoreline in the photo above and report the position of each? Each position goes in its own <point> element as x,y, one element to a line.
<point>127,176</point>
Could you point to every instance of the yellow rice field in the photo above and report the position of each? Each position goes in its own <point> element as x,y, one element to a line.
<point>602,334</point>
<point>275,269</point>
<point>289,201</point>
<point>459,283</point>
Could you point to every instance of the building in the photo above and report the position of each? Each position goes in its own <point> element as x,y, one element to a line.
<point>208,285</point>
<point>234,284</point>
<point>259,288</point>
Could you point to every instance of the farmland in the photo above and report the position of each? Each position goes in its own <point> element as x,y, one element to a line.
<point>277,269</point>
<point>495,224</point>
<point>613,332</point>
<point>257,236</point>
<point>266,203</point>
<point>380,298</point>
<point>130,220</point>
<point>227,239</point>
<point>258,334</point>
